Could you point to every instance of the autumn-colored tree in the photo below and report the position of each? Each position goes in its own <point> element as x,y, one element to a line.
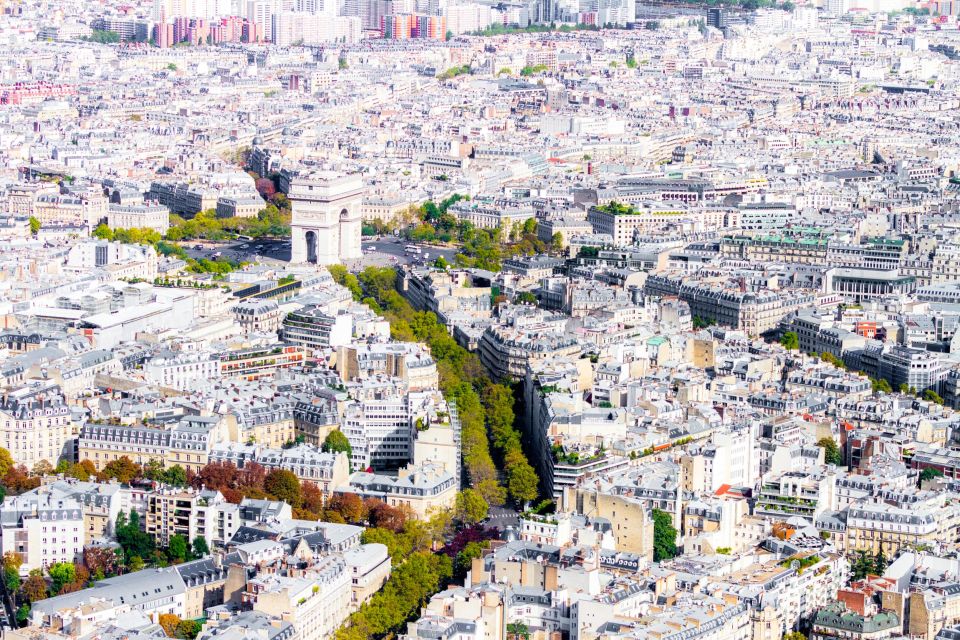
<point>12,560</point>
<point>82,470</point>
<point>18,480</point>
<point>383,515</point>
<point>169,623</point>
<point>101,561</point>
<point>266,188</point>
<point>43,468</point>
<point>34,587</point>
<point>232,495</point>
<point>329,515</point>
<point>252,476</point>
<point>312,497</point>
<point>123,469</point>
<point>350,507</point>
<point>6,462</point>
<point>218,476</point>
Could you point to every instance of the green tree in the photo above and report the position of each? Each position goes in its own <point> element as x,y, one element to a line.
<point>932,396</point>
<point>518,631</point>
<point>200,547</point>
<point>790,341</point>
<point>61,573</point>
<point>175,476</point>
<point>11,578</point>
<point>133,541</point>
<point>880,385</point>
<point>103,37</point>
<point>794,635</point>
<point>831,451</point>
<point>556,242</point>
<point>664,536</point>
<point>862,566</point>
<point>188,629</point>
<point>23,614</point>
<point>283,485</point>
<point>880,563</point>
<point>464,559</point>
<point>336,442</point>
<point>398,545</point>
<point>471,507</point>
<point>522,483</point>
<point>929,473</point>
<point>34,226</point>
<point>179,548</point>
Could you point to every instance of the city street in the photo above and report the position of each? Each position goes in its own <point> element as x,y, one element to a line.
<point>502,517</point>
<point>387,251</point>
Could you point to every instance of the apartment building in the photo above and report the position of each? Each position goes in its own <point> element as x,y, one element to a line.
<point>327,470</point>
<point>424,490</point>
<point>186,443</point>
<point>43,528</point>
<point>182,198</point>
<point>258,315</point>
<point>260,362</point>
<point>185,512</point>
<point>731,303</point>
<point>369,566</point>
<point>627,224</point>
<point>878,527</point>
<point>316,603</point>
<point>36,424</point>
<point>409,362</point>
<point>313,328</point>
<point>149,215</point>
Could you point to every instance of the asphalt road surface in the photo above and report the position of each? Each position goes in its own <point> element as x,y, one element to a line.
<point>387,251</point>
<point>502,517</point>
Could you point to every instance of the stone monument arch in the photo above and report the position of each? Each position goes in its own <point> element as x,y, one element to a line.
<point>325,228</point>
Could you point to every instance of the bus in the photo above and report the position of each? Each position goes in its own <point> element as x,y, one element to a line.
<point>411,249</point>
<point>244,238</point>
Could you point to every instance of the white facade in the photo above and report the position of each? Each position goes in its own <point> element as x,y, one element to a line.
<point>139,216</point>
<point>42,529</point>
<point>35,424</point>
<point>181,372</point>
<point>326,218</point>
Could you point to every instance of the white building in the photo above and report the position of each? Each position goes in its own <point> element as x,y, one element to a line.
<point>326,217</point>
<point>35,424</point>
<point>42,528</point>
<point>149,215</point>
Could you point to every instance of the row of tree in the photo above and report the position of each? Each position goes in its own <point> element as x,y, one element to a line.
<point>486,408</point>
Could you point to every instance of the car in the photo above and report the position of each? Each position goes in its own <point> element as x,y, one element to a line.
<point>371,249</point>
<point>244,246</point>
<point>198,247</point>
